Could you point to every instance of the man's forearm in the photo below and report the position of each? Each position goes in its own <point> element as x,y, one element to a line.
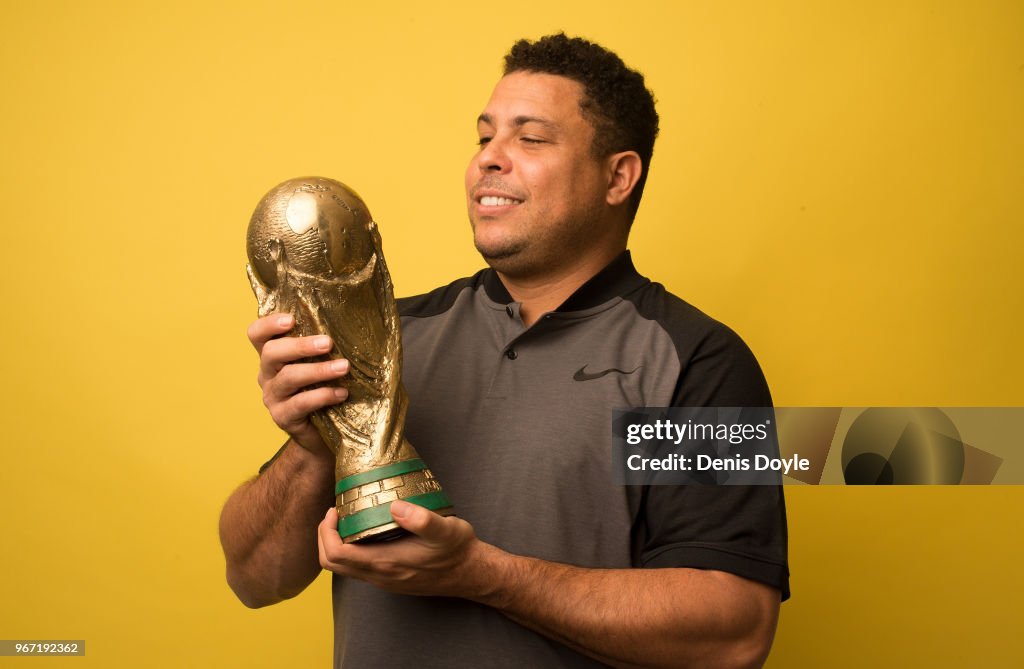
<point>268,527</point>
<point>637,617</point>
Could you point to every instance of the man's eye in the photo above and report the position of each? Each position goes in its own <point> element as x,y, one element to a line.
<point>483,141</point>
<point>532,140</point>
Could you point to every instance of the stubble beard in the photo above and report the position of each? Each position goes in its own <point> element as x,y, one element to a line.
<point>525,256</point>
<point>504,256</point>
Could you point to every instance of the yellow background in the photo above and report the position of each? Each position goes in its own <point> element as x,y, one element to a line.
<point>840,182</point>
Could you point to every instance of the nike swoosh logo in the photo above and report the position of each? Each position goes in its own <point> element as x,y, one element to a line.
<point>582,375</point>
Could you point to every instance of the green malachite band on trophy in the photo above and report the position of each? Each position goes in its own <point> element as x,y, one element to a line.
<point>381,515</point>
<point>379,474</point>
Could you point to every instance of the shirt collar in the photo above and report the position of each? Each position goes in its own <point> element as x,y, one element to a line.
<point>618,278</point>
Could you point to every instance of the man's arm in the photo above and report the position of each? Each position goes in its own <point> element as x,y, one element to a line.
<point>624,617</point>
<point>643,617</point>
<point>267,525</point>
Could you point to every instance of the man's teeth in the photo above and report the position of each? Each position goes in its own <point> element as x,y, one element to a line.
<point>493,201</point>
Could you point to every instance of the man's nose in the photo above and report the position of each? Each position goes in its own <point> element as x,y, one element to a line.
<point>494,158</point>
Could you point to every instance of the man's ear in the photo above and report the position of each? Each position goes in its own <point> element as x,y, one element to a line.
<point>624,171</point>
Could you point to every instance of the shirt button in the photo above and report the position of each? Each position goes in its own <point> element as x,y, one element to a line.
<point>508,310</point>
<point>511,354</point>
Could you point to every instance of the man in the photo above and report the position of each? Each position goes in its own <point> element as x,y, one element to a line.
<point>512,375</point>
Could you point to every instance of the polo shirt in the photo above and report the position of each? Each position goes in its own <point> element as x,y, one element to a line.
<point>515,423</point>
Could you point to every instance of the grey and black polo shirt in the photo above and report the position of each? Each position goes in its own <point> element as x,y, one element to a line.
<point>516,424</point>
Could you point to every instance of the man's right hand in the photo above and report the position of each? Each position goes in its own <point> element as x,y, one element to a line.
<point>285,382</point>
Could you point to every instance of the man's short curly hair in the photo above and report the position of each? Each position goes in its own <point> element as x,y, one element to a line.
<point>615,99</point>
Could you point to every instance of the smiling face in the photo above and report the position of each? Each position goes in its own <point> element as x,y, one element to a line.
<point>536,193</point>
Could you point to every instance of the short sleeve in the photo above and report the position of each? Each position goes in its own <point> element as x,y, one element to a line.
<point>736,529</point>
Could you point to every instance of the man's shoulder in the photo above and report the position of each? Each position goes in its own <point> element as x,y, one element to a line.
<point>438,300</point>
<point>718,367</point>
<point>684,322</point>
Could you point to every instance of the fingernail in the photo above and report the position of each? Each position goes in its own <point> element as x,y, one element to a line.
<point>339,366</point>
<point>399,509</point>
<point>340,393</point>
<point>323,343</point>
<point>329,509</point>
<point>284,321</point>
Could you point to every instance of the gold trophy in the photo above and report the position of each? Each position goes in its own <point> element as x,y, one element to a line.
<point>314,252</point>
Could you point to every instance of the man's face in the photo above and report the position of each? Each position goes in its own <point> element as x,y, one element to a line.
<point>535,192</point>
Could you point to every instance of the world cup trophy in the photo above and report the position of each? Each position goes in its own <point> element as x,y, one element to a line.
<point>315,252</point>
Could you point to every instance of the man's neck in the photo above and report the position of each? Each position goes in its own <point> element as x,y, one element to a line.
<point>538,295</point>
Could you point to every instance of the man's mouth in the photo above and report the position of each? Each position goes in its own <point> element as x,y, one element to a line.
<point>496,201</point>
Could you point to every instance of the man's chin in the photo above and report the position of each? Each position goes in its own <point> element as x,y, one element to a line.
<point>505,259</point>
<point>497,252</point>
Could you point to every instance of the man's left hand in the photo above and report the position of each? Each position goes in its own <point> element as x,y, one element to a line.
<point>442,556</point>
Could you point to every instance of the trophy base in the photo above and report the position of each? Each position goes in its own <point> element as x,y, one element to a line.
<point>364,499</point>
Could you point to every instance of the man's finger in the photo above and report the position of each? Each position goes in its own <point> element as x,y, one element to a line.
<point>422,522</point>
<point>277,353</point>
<point>329,541</point>
<point>296,376</point>
<point>291,414</point>
<point>341,558</point>
<point>264,329</point>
